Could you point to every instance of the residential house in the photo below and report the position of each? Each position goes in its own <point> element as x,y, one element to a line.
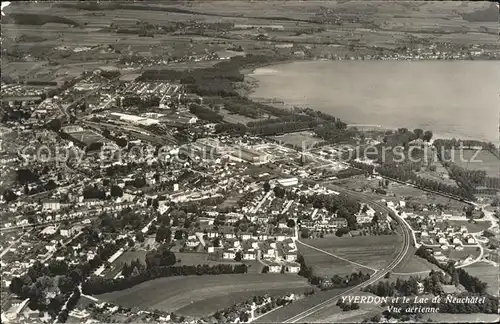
<point>275,268</point>
<point>228,254</point>
<point>249,254</point>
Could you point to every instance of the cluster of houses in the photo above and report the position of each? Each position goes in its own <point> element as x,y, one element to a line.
<point>277,250</point>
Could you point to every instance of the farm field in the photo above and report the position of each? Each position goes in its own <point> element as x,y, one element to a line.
<point>325,265</point>
<point>484,161</point>
<point>333,313</point>
<point>461,318</point>
<point>372,251</point>
<point>486,273</point>
<point>210,293</point>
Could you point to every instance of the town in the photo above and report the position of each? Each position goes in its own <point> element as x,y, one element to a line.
<point>155,188</point>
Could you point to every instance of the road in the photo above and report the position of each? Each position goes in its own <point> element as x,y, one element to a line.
<point>405,249</point>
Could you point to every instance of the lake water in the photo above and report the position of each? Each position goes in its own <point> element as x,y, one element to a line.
<point>452,98</point>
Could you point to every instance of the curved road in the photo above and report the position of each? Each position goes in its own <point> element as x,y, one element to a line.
<point>407,241</point>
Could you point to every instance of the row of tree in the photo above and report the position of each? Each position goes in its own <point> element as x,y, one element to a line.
<point>406,173</point>
<point>98,285</point>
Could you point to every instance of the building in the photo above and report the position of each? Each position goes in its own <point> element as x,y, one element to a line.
<point>288,182</point>
<point>251,156</point>
<point>51,205</point>
<point>275,268</point>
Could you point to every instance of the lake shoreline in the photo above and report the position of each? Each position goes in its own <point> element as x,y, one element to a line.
<point>253,80</point>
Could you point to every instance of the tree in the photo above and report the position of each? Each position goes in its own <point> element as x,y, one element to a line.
<point>341,231</point>
<point>265,269</point>
<point>238,256</point>
<point>139,182</point>
<point>163,234</point>
<point>304,233</point>
<point>418,132</point>
<point>16,285</point>
<point>427,136</point>
<point>116,191</point>
<point>55,125</point>
<point>139,236</point>
<point>267,186</point>
<point>178,234</point>
<point>9,195</point>
<point>290,223</point>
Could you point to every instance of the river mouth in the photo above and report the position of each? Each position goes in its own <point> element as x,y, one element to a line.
<point>452,98</point>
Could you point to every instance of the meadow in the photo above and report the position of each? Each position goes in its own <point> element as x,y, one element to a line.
<point>487,273</point>
<point>371,251</point>
<point>203,295</point>
<point>482,161</point>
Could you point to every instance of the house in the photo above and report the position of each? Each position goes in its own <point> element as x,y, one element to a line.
<point>212,233</point>
<point>275,268</point>
<point>471,240</point>
<point>51,205</point>
<point>246,236</point>
<point>228,233</point>
<point>293,267</point>
<point>269,253</point>
<point>192,242</point>
<point>282,224</point>
<point>263,237</point>
<point>249,255</point>
<point>228,255</point>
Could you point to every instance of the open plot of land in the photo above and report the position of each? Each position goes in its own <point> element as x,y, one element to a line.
<point>483,161</point>
<point>334,314</point>
<point>471,227</point>
<point>372,251</point>
<point>486,273</point>
<point>453,254</point>
<point>126,257</point>
<point>300,139</point>
<point>235,118</point>
<point>325,265</point>
<point>460,318</point>
<point>414,264</point>
<point>210,293</point>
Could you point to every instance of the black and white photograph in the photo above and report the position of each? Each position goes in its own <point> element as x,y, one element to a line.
<point>246,161</point>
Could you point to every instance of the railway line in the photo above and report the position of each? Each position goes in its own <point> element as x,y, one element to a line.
<point>405,249</point>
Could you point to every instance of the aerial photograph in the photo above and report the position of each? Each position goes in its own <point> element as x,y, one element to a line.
<point>245,161</point>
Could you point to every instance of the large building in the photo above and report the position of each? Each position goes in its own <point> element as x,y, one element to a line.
<point>250,155</point>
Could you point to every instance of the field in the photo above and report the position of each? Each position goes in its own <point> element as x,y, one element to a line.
<point>471,227</point>
<point>325,265</point>
<point>487,273</point>
<point>372,251</point>
<point>203,295</point>
<point>462,255</point>
<point>460,318</point>
<point>235,118</point>
<point>300,139</point>
<point>484,161</point>
<point>413,265</point>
